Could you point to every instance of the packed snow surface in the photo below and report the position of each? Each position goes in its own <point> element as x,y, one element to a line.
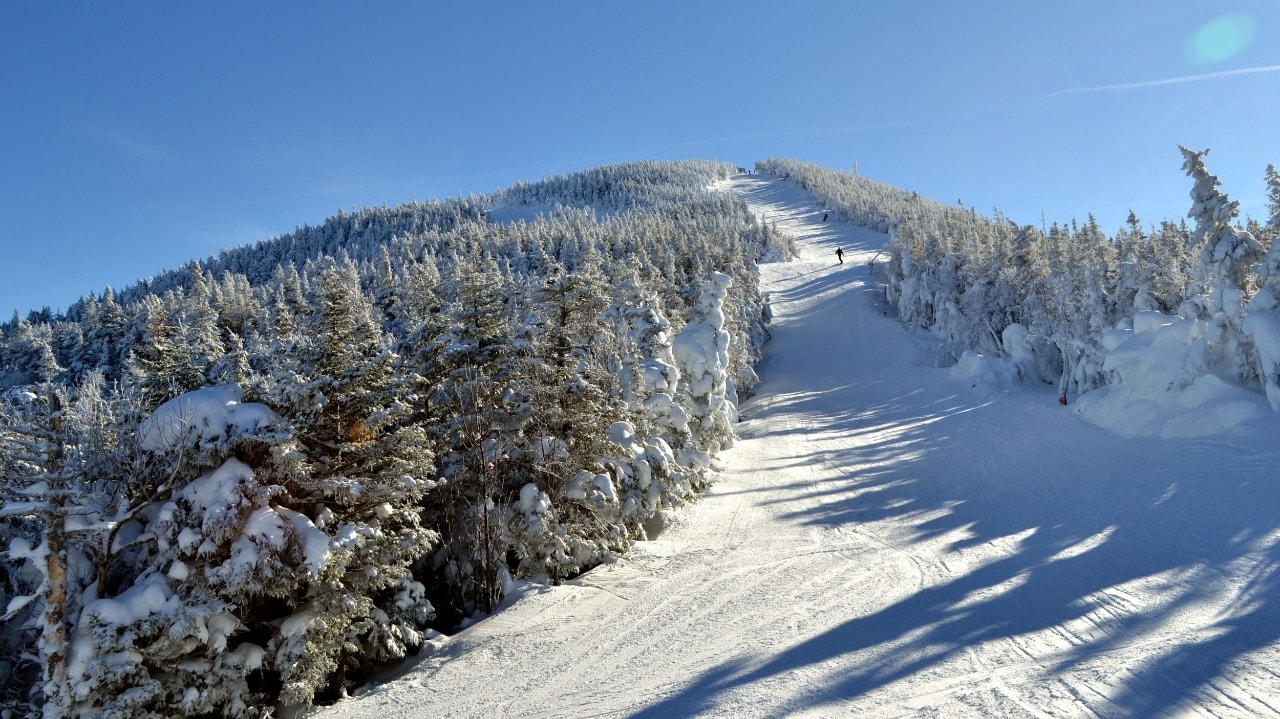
<point>894,539</point>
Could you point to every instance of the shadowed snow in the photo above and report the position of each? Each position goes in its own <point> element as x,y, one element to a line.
<point>893,539</point>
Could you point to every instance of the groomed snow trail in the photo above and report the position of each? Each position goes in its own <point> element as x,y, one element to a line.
<point>885,542</point>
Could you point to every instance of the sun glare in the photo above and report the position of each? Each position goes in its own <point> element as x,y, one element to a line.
<point>1221,39</point>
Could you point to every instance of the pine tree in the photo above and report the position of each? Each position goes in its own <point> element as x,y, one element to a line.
<point>1226,257</point>
<point>162,367</point>
<point>33,440</point>
<point>364,472</point>
<point>650,477</point>
<point>475,415</point>
<point>1226,253</point>
<point>65,482</point>
<point>702,353</point>
<point>1273,196</point>
<point>569,389</point>
<point>29,356</point>
<point>105,339</point>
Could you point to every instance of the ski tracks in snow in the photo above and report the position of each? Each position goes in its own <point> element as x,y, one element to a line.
<point>883,542</point>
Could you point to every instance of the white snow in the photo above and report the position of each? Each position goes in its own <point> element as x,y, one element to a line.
<point>885,540</point>
<point>217,495</point>
<point>1264,329</point>
<point>135,604</point>
<point>1149,401</point>
<point>206,414</point>
<point>528,214</point>
<point>297,623</point>
<point>534,500</point>
<point>976,370</point>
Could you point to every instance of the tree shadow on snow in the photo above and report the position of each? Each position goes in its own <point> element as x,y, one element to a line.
<point>1096,546</point>
<point>1076,539</point>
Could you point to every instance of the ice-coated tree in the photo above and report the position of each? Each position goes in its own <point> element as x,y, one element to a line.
<point>202,337</point>
<point>36,486</point>
<point>1223,280</point>
<point>1226,253</point>
<point>29,356</point>
<point>1262,324</point>
<point>648,477</point>
<point>702,354</point>
<point>78,499</point>
<point>105,339</point>
<point>1173,260</point>
<point>176,633</point>
<point>1273,196</point>
<point>162,366</point>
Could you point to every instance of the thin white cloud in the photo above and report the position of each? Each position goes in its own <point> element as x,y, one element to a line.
<point>1167,81</point>
<point>137,146</point>
<point>131,144</point>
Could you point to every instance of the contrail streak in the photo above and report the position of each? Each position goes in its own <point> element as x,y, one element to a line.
<point>1168,81</point>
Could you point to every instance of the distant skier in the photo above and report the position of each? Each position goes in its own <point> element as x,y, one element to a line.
<point>824,217</point>
<point>840,255</point>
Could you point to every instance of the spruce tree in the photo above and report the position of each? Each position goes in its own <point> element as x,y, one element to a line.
<point>475,416</point>
<point>1226,253</point>
<point>364,471</point>
<point>569,390</point>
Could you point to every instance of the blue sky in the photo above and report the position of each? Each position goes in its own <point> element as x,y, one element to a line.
<point>138,136</point>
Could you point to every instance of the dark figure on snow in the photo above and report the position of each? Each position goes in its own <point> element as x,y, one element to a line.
<point>840,255</point>
<point>824,217</point>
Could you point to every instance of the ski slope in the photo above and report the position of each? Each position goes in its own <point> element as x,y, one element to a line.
<point>887,541</point>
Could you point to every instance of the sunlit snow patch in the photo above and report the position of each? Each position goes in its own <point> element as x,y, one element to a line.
<point>207,414</point>
<point>1085,545</point>
<point>1151,397</point>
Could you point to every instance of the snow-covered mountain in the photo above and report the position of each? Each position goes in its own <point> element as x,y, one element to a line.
<point>977,469</point>
<point>251,483</point>
<point>888,538</point>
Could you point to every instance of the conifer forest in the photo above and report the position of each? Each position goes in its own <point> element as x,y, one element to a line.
<point>244,486</point>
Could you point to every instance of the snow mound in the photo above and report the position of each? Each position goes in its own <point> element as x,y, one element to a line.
<point>1152,397</point>
<point>1264,329</point>
<point>204,415</point>
<point>978,370</point>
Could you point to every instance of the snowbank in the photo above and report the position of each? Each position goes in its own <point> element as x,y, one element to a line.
<point>1152,396</point>
<point>977,370</point>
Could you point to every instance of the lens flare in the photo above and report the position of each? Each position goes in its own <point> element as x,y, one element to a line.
<point>1221,39</point>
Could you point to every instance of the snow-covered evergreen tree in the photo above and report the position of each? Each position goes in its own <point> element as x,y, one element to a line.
<point>163,366</point>
<point>364,472</point>
<point>1222,279</point>
<point>569,390</point>
<point>475,416</point>
<point>1226,253</point>
<point>1273,196</point>
<point>702,353</point>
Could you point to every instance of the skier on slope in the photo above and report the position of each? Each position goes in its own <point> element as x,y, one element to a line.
<point>840,255</point>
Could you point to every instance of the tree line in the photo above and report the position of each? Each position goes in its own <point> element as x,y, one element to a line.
<point>247,483</point>
<point>1045,297</point>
